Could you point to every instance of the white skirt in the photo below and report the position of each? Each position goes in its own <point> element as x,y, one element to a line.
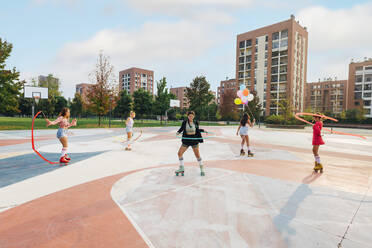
<point>244,130</point>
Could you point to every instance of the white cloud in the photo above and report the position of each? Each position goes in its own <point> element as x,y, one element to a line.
<point>338,29</point>
<point>335,37</point>
<point>153,45</point>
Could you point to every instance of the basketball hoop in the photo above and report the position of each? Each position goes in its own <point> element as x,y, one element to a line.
<point>37,98</point>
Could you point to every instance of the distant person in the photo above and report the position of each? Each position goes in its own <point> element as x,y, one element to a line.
<point>191,136</point>
<point>129,129</point>
<point>64,124</point>
<point>317,141</point>
<point>243,132</point>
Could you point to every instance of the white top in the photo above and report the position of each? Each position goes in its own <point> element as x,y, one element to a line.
<point>130,122</point>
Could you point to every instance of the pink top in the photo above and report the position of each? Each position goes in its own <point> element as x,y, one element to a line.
<point>317,137</point>
<point>63,122</point>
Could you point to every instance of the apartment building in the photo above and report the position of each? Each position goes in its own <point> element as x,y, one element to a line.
<point>134,78</point>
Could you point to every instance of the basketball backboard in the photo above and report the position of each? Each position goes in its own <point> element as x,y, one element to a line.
<point>174,103</point>
<point>32,92</point>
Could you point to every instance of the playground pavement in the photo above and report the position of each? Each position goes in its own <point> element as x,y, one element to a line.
<point>108,197</point>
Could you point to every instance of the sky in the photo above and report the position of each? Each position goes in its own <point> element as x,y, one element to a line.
<point>178,39</point>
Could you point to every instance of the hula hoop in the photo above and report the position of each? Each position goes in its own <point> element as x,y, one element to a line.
<point>197,138</point>
<point>326,129</point>
<point>33,142</point>
<point>125,141</point>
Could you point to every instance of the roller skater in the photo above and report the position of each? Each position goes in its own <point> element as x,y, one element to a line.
<point>191,136</point>
<point>317,141</point>
<point>243,131</point>
<point>129,129</point>
<point>63,121</point>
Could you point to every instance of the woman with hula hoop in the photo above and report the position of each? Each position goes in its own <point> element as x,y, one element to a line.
<point>317,141</point>
<point>191,136</point>
<point>64,124</point>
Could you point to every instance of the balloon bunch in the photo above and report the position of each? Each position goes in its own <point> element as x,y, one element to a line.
<point>244,96</point>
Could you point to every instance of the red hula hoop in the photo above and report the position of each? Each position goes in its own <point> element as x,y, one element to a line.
<point>33,142</point>
<point>326,129</point>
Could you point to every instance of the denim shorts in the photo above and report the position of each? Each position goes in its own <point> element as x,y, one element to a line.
<point>61,133</point>
<point>129,130</point>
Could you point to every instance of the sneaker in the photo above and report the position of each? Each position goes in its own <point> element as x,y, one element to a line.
<point>67,157</point>
<point>63,160</point>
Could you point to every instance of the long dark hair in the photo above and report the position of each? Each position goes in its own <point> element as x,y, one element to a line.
<point>64,112</point>
<point>244,119</point>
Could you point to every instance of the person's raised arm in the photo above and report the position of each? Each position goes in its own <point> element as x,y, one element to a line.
<point>58,120</point>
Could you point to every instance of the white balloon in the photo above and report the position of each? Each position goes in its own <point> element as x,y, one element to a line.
<point>250,97</point>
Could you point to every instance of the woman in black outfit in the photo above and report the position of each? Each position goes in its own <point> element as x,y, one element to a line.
<point>191,136</point>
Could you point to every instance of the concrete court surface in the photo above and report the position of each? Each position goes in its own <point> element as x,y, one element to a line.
<point>108,197</point>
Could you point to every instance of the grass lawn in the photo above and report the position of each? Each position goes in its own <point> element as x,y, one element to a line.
<point>17,123</point>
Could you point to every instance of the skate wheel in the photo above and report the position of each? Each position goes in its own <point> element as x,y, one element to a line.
<point>176,174</point>
<point>183,174</point>
<point>321,170</point>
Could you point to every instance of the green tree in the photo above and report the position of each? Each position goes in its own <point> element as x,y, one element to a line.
<point>255,108</point>
<point>285,109</point>
<point>25,105</point>
<point>61,103</point>
<point>124,105</point>
<point>101,94</point>
<point>142,100</point>
<point>199,95</point>
<point>228,110</point>
<point>162,98</point>
<point>10,85</point>
<point>77,105</point>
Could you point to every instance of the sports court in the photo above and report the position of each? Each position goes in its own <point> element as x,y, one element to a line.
<point>108,197</point>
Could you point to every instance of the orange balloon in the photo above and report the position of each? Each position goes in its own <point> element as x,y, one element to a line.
<point>245,92</point>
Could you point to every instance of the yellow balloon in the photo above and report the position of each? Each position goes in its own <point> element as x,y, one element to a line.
<point>238,101</point>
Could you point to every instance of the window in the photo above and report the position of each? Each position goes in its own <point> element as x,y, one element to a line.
<point>283,78</point>
<point>284,53</point>
<point>248,58</point>
<point>256,41</point>
<point>284,34</point>
<point>256,49</point>
<point>356,103</point>
<point>266,55</point>
<point>368,68</point>
<point>367,86</point>
<point>241,60</point>
<point>359,68</point>
<point>266,63</point>
<point>359,79</point>
<point>283,69</point>
<point>276,36</point>
<point>247,74</point>
<point>367,94</point>
<point>248,66</point>
<point>266,46</point>
<point>255,57</point>
<point>275,54</point>
<point>274,78</point>
<point>274,62</point>
<point>358,87</point>
<point>367,103</point>
<point>241,67</point>
<point>358,95</point>
<point>249,43</point>
<point>284,43</point>
<point>241,74</point>
<point>241,44</point>
<point>275,44</point>
<point>368,78</point>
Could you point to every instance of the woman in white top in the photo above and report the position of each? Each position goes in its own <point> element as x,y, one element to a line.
<point>129,129</point>
<point>243,131</point>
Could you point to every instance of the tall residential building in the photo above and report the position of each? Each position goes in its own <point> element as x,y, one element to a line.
<point>134,78</point>
<point>360,85</point>
<point>228,84</point>
<point>328,95</point>
<point>180,93</point>
<point>83,90</point>
<point>48,81</point>
<point>272,62</point>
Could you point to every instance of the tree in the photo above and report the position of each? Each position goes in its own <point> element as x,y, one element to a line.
<point>228,110</point>
<point>285,109</point>
<point>199,95</point>
<point>101,94</point>
<point>142,100</point>
<point>77,105</point>
<point>162,98</point>
<point>52,83</point>
<point>10,85</point>
<point>61,103</point>
<point>255,108</point>
<point>124,105</point>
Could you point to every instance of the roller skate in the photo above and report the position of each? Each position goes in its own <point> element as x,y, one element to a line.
<point>242,152</point>
<point>181,171</point>
<point>202,173</point>
<point>318,167</point>
<point>67,157</point>
<point>63,160</point>
<point>128,149</point>
<point>250,154</point>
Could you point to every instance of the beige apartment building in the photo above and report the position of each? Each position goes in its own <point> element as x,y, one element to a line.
<point>134,78</point>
